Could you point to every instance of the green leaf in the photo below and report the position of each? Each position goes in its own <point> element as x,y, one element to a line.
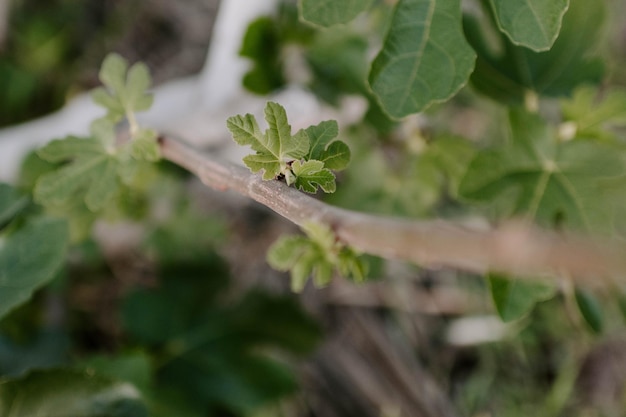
<point>508,73</point>
<point>29,259</point>
<point>534,24</point>
<point>311,174</point>
<point>546,180</point>
<point>90,176</point>
<point>593,114</point>
<point>134,368</point>
<point>55,393</point>
<point>261,43</point>
<point>425,58</point>
<point>514,298</point>
<point>126,91</point>
<point>144,146</point>
<point>330,12</point>
<point>274,148</point>
<point>285,252</point>
<point>590,308</point>
<point>336,156</point>
<point>11,203</point>
<point>320,136</point>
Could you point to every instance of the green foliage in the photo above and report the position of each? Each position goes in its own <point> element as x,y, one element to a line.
<point>534,24</point>
<point>329,12</point>
<point>302,159</point>
<point>590,309</point>
<point>29,259</point>
<point>547,180</point>
<point>92,171</point>
<point>61,392</point>
<point>515,298</point>
<point>509,73</point>
<point>318,254</point>
<point>589,115</point>
<point>424,59</point>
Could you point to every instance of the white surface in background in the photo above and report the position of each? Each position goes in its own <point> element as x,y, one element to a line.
<point>194,108</point>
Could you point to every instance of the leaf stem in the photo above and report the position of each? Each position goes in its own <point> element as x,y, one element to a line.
<point>516,247</point>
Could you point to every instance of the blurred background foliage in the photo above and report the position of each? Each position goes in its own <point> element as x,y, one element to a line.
<point>182,317</point>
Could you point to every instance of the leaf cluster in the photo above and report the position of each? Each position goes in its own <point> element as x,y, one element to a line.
<point>304,159</point>
<point>318,254</point>
<point>90,171</point>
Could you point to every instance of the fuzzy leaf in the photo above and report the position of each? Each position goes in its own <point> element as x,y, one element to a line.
<point>274,148</point>
<point>68,393</point>
<point>534,24</point>
<point>592,114</point>
<point>286,251</point>
<point>144,146</point>
<point>514,298</point>
<point>546,180</point>
<point>331,12</point>
<point>425,58</point>
<point>126,91</point>
<point>311,174</point>
<point>92,170</point>
<point>30,258</point>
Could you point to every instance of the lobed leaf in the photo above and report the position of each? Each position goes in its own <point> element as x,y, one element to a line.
<point>534,24</point>
<point>330,12</point>
<point>279,140</point>
<point>546,180</point>
<point>30,258</point>
<point>593,114</point>
<point>89,176</point>
<point>424,59</point>
<point>320,136</point>
<point>336,156</point>
<point>311,174</point>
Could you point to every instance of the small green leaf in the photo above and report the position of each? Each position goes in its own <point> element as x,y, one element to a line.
<point>126,92</point>
<point>336,156</point>
<point>303,269</point>
<point>534,24</point>
<point>286,251</point>
<point>330,12</point>
<point>590,308</point>
<point>144,146</point>
<point>514,298</point>
<point>425,58</point>
<point>30,258</point>
<point>311,174</point>
<point>55,393</point>
<point>320,136</point>
<point>276,147</point>
<point>69,148</point>
<point>103,130</point>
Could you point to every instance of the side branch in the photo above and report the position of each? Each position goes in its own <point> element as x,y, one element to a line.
<point>514,247</point>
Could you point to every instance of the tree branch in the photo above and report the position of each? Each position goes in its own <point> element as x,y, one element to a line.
<point>514,247</point>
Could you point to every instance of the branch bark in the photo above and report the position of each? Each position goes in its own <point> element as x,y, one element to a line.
<point>514,248</point>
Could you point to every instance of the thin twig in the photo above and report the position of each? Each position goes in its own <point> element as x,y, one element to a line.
<point>514,248</point>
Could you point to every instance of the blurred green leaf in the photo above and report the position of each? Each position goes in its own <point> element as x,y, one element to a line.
<point>262,44</point>
<point>514,298</point>
<point>126,89</point>
<point>54,393</point>
<point>592,113</point>
<point>30,258</point>
<point>134,368</point>
<point>11,203</point>
<point>508,73</point>
<point>534,24</point>
<point>330,12</point>
<point>425,58</point>
<point>590,309</point>
<point>91,176</point>
<point>546,180</point>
